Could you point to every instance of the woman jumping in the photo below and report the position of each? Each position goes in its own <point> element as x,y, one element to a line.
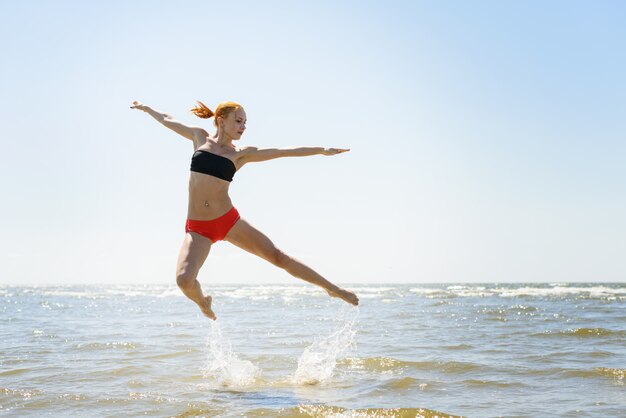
<point>211,216</point>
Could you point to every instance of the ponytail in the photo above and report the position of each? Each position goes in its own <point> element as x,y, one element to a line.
<point>202,111</point>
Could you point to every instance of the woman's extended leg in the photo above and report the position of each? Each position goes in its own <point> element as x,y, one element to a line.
<point>247,237</point>
<point>193,253</point>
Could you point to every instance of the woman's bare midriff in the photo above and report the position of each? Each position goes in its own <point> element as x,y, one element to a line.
<point>208,197</point>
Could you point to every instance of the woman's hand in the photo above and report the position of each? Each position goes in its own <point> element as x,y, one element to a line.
<point>334,151</point>
<point>138,105</point>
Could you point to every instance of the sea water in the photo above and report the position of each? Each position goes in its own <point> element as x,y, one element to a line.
<point>476,350</point>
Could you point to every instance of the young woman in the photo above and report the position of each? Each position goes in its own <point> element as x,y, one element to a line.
<point>211,216</point>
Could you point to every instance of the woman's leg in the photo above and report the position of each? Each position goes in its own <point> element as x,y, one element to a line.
<point>248,238</point>
<point>193,253</point>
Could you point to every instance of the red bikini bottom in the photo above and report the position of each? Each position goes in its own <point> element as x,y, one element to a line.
<point>214,229</point>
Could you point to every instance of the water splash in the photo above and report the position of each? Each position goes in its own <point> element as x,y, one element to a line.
<point>318,361</point>
<point>224,365</point>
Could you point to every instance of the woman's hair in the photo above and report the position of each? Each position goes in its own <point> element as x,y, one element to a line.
<point>223,109</point>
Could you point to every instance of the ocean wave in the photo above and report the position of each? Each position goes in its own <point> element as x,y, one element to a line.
<point>72,397</point>
<point>122,345</point>
<point>265,292</point>
<point>616,374</point>
<point>387,364</point>
<point>376,364</point>
<point>195,410</point>
<point>323,411</point>
<point>328,411</point>
<point>601,354</point>
<point>479,383</point>
<point>97,292</point>
<point>452,367</point>
<point>458,347</point>
<point>14,372</point>
<point>153,397</point>
<point>78,294</point>
<point>24,393</point>
<point>371,292</point>
<point>261,292</point>
<point>560,291</point>
<point>404,383</point>
<point>122,371</point>
<point>430,291</point>
<point>539,291</point>
<point>173,354</point>
<point>583,333</point>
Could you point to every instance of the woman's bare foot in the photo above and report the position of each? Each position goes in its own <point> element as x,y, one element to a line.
<point>344,294</point>
<point>206,308</point>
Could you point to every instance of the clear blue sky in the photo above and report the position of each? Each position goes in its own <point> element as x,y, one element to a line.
<point>488,138</point>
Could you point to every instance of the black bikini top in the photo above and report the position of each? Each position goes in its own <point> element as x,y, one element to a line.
<point>212,164</point>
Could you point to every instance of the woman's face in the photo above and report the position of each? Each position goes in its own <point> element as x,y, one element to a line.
<point>234,124</point>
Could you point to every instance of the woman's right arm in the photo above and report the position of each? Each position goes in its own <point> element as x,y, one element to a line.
<point>194,133</point>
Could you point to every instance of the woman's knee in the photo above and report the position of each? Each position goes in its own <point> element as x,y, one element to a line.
<point>280,259</point>
<point>185,278</point>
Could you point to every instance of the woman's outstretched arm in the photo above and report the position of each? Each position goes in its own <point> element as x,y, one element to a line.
<point>253,154</point>
<point>193,133</point>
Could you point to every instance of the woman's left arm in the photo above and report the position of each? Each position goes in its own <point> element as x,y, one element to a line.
<point>253,154</point>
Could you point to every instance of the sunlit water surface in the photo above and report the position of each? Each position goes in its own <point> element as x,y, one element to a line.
<point>523,350</point>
